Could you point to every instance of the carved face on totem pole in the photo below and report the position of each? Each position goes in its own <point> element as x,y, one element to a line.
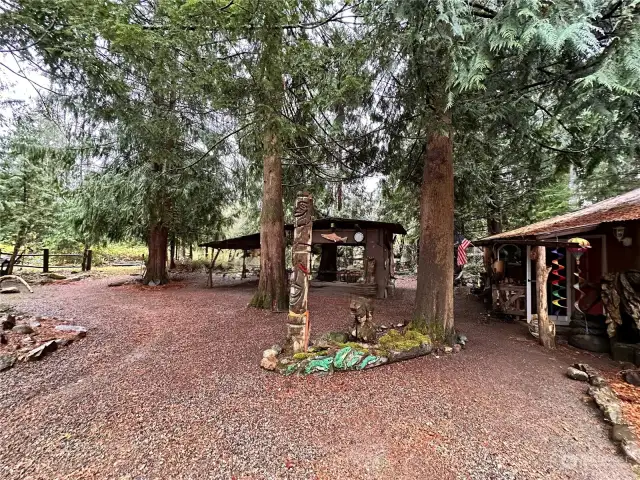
<point>302,212</point>
<point>299,281</point>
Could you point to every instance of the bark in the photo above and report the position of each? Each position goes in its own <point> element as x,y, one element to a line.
<point>545,329</point>
<point>157,262</point>
<point>271,287</point>
<point>172,248</point>
<point>211,267</point>
<point>14,255</point>
<point>328,263</point>
<point>434,291</point>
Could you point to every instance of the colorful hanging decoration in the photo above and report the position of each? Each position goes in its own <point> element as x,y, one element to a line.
<point>558,289</point>
<point>583,246</point>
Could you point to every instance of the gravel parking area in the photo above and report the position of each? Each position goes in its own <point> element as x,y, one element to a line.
<point>167,385</point>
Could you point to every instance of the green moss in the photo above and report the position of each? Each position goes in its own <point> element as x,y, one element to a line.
<point>434,330</point>
<point>408,340</point>
<point>304,355</point>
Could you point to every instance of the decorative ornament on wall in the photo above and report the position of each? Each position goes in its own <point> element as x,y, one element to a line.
<point>333,237</point>
<point>358,237</point>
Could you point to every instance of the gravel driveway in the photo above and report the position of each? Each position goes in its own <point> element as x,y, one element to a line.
<point>167,386</point>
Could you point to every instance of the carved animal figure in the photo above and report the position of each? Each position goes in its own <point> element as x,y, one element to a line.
<point>333,237</point>
<point>363,328</point>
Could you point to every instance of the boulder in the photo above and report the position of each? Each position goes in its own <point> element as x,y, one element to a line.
<point>39,352</point>
<point>9,290</point>
<point>277,348</point>
<point>269,352</point>
<point>23,329</point>
<point>576,374</point>
<point>632,377</point>
<point>448,349</point>
<point>7,360</point>
<point>457,348</point>
<point>3,339</point>
<point>608,402</point>
<point>590,343</point>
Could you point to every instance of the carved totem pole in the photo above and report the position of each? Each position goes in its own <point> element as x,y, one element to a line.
<point>298,319</point>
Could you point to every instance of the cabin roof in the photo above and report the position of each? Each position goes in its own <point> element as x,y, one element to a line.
<point>252,241</point>
<point>622,208</point>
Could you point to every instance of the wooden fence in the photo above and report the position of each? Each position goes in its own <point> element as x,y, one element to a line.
<point>46,256</point>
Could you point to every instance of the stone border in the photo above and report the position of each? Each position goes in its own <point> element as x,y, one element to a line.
<point>609,404</point>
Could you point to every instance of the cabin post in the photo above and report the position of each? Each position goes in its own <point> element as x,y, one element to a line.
<point>545,329</point>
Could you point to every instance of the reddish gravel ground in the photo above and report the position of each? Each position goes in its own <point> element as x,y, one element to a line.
<point>167,385</point>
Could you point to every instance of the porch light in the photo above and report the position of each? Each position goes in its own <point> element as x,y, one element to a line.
<point>619,232</point>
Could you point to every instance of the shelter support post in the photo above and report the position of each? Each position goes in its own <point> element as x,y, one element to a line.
<point>45,260</point>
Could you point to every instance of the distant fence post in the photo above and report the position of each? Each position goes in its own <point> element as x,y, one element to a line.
<point>45,260</point>
<point>87,265</point>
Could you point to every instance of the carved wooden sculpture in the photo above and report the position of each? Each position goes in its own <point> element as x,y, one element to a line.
<point>363,328</point>
<point>298,319</point>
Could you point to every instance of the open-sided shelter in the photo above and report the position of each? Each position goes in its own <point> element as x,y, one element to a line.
<point>330,232</point>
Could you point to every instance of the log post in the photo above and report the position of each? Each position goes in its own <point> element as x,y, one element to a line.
<point>545,328</point>
<point>45,260</point>
<point>244,264</point>
<point>213,264</point>
<point>298,318</point>
<point>89,258</point>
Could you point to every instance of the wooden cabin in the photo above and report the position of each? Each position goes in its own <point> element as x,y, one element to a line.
<point>612,227</point>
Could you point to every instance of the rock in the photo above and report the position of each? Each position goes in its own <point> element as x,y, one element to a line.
<point>277,348</point>
<point>34,324</point>
<point>269,352</point>
<point>337,337</point>
<point>457,348</point>
<point>39,352</point>
<point>8,323</point>
<point>608,402</point>
<point>27,341</point>
<point>461,339</point>
<point>6,361</point>
<point>3,339</point>
<point>448,349</point>
<point>63,342</point>
<point>78,277</point>
<point>622,433</point>
<point>576,374</point>
<point>117,283</point>
<point>631,450</point>
<point>9,290</point>
<point>632,377</point>
<point>80,332</point>
<point>152,284</point>
<point>269,363</point>
<point>623,352</point>
<point>590,343</point>
<point>23,329</point>
<point>53,276</point>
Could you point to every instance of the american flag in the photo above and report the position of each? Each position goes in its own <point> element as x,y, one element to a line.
<point>462,251</point>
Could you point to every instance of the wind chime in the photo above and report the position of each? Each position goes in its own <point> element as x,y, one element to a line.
<point>583,246</point>
<point>558,288</point>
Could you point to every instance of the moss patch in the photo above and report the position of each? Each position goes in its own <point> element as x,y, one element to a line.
<point>408,340</point>
<point>356,346</point>
<point>304,355</point>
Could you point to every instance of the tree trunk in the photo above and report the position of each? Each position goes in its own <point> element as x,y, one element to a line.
<point>545,329</point>
<point>16,250</point>
<point>271,287</point>
<point>172,262</point>
<point>434,291</point>
<point>157,262</point>
<point>328,263</point>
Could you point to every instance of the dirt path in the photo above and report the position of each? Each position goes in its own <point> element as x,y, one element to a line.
<point>167,385</point>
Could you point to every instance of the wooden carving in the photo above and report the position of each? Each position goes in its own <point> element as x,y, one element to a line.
<point>363,328</point>
<point>298,318</point>
<point>335,238</point>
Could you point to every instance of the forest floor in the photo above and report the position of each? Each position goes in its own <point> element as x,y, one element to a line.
<point>167,385</point>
